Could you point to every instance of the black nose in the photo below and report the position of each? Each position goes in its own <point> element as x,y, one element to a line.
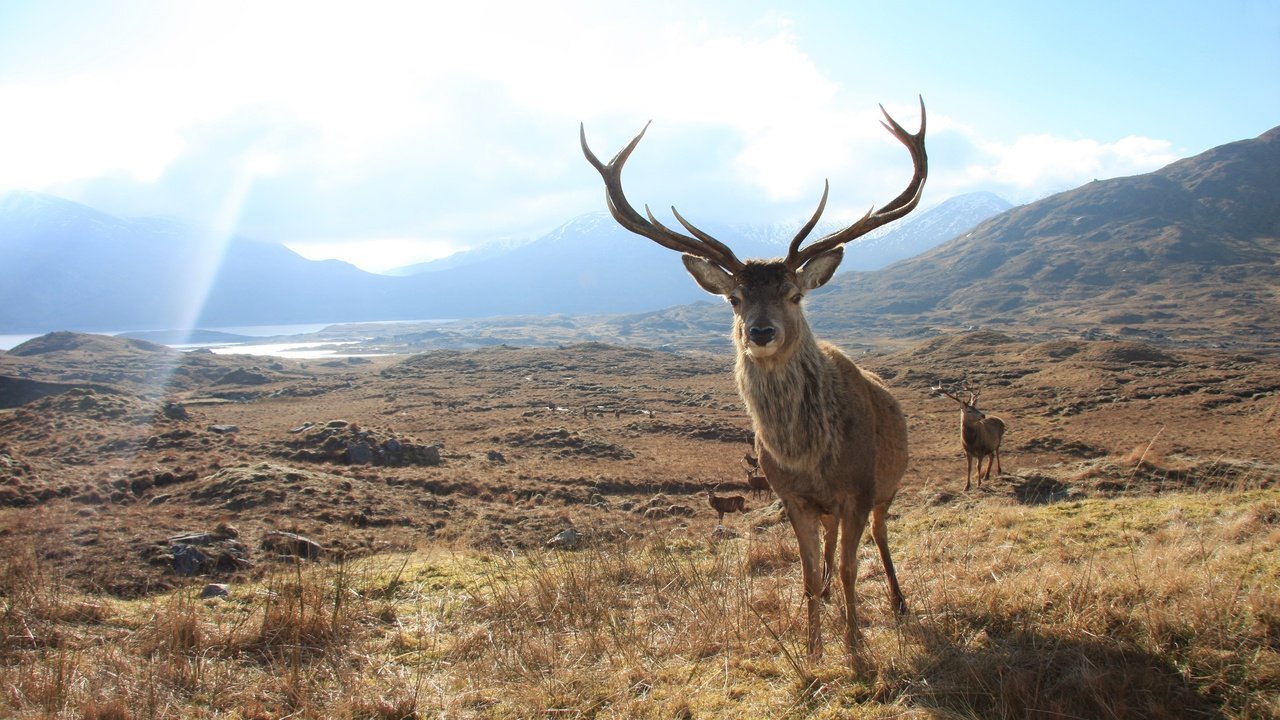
<point>761,335</point>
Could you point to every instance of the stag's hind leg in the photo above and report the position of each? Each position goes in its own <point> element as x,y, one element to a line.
<point>880,533</point>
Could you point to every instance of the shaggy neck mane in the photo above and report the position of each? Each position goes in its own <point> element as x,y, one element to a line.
<point>792,405</point>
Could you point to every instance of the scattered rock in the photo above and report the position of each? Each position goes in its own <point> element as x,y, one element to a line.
<point>290,544</point>
<point>567,539</point>
<point>189,560</point>
<point>215,590</point>
<point>176,411</point>
<point>224,429</point>
<point>203,553</point>
<point>722,533</point>
<point>344,443</point>
<point>242,376</point>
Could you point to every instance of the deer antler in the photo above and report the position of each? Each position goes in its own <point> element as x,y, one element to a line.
<point>939,389</point>
<point>701,244</point>
<point>900,206</point>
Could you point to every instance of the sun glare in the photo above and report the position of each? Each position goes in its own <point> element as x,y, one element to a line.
<point>375,255</point>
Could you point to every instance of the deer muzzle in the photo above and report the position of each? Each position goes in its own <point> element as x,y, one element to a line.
<point>761,335</point>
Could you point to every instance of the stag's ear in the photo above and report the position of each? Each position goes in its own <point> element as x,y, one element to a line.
<point>819,270</point>
<point>713,278</point>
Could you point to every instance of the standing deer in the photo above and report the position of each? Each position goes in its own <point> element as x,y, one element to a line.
<point>830,437</point>
<point>758,483</point>
<point>980,435</point>
<point>725,503</point>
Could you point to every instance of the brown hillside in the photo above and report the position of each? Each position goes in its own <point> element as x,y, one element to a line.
<point>505,447</point>
<point>1187,253</point>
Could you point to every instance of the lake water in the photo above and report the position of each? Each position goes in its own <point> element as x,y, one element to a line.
<point>276,348</point>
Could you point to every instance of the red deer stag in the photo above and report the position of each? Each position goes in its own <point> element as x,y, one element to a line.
<point>830,437</point>
<point>980,436</point>
<point>725,503</point>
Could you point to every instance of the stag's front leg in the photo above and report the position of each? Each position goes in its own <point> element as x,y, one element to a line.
<point>968,470</point>
<point>854,522</point>
<point>805,523</point>
<point>830,533</point>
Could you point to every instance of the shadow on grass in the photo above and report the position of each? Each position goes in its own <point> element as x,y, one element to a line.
<point>1013,672</point>
<point>1041,490</point>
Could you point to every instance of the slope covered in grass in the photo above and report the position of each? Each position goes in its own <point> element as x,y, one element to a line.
<point>1133,606</point>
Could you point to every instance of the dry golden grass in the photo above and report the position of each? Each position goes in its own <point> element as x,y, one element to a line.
<point>1155,606</point>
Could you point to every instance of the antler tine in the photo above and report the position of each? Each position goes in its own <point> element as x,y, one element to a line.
<point>704,246</point>
<point>973,394</point>
<point>939,388</point>
<point>808,227</point>
<point>895,209</point>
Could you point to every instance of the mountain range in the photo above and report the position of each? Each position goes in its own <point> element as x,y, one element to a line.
<point>68,266</point>
<point>1189,253</point>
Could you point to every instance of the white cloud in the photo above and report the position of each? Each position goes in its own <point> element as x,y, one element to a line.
<point>80,128</point>
<point>421,121</point>
<point>1031,166</point>
<point>375,255</point>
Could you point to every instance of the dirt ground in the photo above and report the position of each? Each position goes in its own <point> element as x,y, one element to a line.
<point>114,453</point>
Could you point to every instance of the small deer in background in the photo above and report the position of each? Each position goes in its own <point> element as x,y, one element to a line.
<point>725,503</point>
<point>758,483</point>
<point>980,435</point>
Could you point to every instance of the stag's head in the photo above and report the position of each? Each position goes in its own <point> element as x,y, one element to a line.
<point>969,407</point>
<point>765,294</point>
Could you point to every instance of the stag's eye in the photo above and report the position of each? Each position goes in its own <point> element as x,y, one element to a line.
<point>734,300</point>
<point>797,298</point>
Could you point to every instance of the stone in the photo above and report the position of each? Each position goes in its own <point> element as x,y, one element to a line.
<point>291,545</point>
<point>567,539</point>
<point>215,590</point>
<point>189,560</point>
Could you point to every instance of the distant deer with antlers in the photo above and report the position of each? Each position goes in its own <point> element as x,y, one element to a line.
<point>830,437</point>
<point>725,503</point>
<point>980,435</point>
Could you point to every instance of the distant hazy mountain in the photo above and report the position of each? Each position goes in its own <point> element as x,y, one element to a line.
<point>459,259</point>
<point>591,265</point>
<point>67,266</point>
<point>922,231</point>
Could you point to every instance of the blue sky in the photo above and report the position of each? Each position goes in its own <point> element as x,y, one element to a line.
<point>388,133</point>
